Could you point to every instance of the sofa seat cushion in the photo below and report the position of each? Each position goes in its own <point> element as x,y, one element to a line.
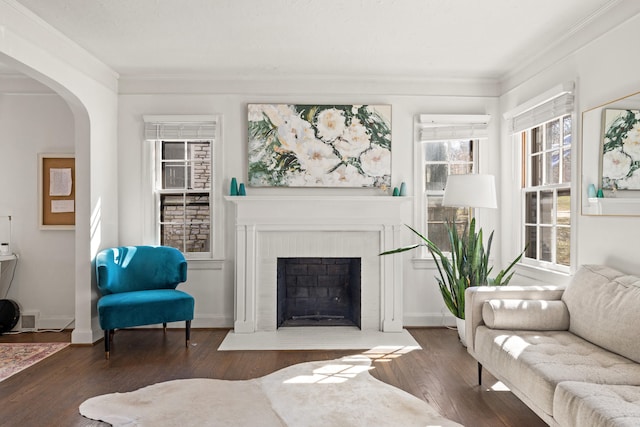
<point>149,307</point>
<point>578,404</point>
<point>537,361</point>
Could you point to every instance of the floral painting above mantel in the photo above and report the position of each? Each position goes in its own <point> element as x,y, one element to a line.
<point>621,150</point>
<point>295,145</point>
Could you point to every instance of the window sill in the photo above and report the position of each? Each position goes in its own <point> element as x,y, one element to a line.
<point>428,263</point>
<point>543,275</point>
<point>205,264</point>
<point>423,263</point>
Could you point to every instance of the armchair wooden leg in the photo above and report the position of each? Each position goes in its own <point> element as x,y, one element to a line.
<point>479,373</point>
<point>107,343</point>
<point>164,327</point>
<point>188,332</point>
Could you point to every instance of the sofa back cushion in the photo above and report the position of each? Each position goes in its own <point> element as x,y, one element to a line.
<point>604,308</point>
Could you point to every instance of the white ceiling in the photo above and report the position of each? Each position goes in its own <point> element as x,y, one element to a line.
<point>469,39</point>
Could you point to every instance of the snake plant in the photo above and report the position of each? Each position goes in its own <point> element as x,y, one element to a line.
<point>467,264</point>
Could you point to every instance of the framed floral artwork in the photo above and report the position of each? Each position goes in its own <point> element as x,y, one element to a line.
<point>620,165</point>
<point>296,145</point>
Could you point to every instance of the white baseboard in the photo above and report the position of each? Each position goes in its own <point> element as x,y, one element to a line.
<point>55,323</point>
<point>428,319</point>
<point>212,321</point>
<point>86,336</point>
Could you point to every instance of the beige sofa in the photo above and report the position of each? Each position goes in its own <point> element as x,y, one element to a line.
<point>571,354</point>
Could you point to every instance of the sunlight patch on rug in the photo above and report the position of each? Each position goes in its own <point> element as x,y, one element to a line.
<point>15,357</point>
<point>337,392</point>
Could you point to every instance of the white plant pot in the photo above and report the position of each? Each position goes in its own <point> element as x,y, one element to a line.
<point>461,331</point>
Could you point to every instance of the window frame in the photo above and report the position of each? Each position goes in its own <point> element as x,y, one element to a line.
<point>443,127</point>
<point>527,187</point>
<point>552,103</point>
<point>161,190</point>
<point>151,171</point>
<point>426,193</point>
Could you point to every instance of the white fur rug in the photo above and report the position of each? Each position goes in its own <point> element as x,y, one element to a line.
<point>329,393</point>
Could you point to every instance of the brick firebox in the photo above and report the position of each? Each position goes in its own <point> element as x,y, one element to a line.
<point>319,291</point>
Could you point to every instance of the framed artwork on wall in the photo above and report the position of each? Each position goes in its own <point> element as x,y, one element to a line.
<point>620,160</point>
<point>305,145</point>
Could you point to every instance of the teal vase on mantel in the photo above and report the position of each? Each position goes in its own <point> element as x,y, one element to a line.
<point>233,190</point>
<point>403,189</point>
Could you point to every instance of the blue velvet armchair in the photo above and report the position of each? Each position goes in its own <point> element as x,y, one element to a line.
<point>138,287</point>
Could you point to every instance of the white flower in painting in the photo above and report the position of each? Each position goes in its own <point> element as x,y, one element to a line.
<point>631,144</point>
<point>348,176</point>
<point>278,114</point>
<point>330,124</point>
<point>255,112</point>
<point>354,141</point>
<point>615,164</point>
<point>316,157</point>
<point>630,183</point>
<point>303,179</point>
<point>292,132</point>
<point>299,179</point>
<point>376,162</point>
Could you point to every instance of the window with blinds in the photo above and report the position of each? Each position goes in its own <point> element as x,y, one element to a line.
<point>182,174</point>
<point>449,145</point>
<point>545,135</point>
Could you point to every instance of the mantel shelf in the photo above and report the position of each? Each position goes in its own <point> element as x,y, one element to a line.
<point>612,206</point>
<point>308,198</point>
<point>7,257</point>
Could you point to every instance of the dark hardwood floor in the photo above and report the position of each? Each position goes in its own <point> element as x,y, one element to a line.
<point>49,393</point>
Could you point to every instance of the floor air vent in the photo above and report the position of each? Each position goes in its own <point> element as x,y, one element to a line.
<point>28,321</point>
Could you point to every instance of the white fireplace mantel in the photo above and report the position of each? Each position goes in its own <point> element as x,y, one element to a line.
<point>268,227</point>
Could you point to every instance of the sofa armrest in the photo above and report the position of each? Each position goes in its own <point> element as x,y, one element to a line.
<point>476,296</point>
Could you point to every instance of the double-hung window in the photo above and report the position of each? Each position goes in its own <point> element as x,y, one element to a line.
<point>183,192</point>
<point>545,138</point>
<point>448,145</point>
<point>181,156</point>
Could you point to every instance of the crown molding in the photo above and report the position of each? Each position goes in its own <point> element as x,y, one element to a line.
<point>594,26</point>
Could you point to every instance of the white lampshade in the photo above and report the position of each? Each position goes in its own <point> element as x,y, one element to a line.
<point>472,190</point>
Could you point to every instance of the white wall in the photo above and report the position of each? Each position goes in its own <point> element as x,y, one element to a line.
<point>213,287</point>
<point>603,70</point>
<point>44,277</point>
<point>89,88</point>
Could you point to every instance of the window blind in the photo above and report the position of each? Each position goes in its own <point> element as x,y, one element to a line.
<point>551,109</point>
<point>549,105</point>
<point>175,127</point>
<point>448,127</point>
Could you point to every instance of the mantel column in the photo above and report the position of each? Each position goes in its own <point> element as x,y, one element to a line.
<point>391,303</point>
<point>245,283</point>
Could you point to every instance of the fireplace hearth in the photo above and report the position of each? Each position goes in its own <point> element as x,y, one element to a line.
<point>319,291</point>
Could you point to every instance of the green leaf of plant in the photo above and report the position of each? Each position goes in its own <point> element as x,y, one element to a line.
<point>466,266</point>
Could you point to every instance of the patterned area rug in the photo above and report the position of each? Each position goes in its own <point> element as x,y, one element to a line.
<point>14,357</point>
<point>337,392</point>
